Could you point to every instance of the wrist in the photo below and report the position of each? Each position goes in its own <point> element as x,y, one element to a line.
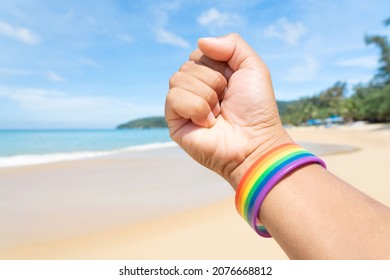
<point>264,175</point>
<point>278,139</point>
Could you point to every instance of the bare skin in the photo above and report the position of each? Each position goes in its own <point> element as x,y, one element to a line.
<point>221,110</point>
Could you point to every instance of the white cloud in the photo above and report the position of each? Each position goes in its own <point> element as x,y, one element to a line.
<point>19,33</point>
<point>126,38</point>
<point>89,62</point>
<point>36,99</point>
<point>286,31</point>
<point>38,104</point>
<point>11,72</point>
<point>166,37</point>
<point>370,62</point>
<point>213,19</point>
<point>29,94</point>
<point>54,77</point>
<point>304,71</point>
<point>163,10</point>
<point>163,35</point>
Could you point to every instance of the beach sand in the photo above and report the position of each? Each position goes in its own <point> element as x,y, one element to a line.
<point>159,204</point>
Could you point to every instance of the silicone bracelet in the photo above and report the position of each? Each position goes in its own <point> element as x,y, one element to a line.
<point>263,175</point>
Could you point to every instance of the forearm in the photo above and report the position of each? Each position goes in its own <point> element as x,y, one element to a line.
<point>314,215</point>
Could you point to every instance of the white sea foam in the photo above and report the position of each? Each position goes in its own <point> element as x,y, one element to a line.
<point>24,160</point>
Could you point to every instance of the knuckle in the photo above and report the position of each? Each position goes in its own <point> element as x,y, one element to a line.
<point>235,36</point>
<point>266,70</point>
<point>201,107</point>
<point>173,103</point>
<point>171,96</point>
<point>186,67</point>
<point>209,95</point>
<point>196,54</point>
<point>173,80</point>
<point>219,82</point>
<point>168,101</point>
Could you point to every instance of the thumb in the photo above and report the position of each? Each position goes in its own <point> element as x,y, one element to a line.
<point>231,49</point>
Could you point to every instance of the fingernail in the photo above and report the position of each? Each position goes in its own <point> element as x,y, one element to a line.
<point>217,110</point>
<point>210,119</point>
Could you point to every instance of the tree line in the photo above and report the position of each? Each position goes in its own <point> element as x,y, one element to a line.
<point>369,102</point>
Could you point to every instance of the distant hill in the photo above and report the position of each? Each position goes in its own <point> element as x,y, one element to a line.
<point>159,122</point>
<point>151,122</point>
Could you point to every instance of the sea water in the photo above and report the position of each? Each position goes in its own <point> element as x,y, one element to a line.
<point>28,147</point>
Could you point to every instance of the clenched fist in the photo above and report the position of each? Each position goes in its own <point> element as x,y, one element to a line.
<point>221,108</point>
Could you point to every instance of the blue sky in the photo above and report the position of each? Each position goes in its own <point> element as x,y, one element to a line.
<point>94,64</point>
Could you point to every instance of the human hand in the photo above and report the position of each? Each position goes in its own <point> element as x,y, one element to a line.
<point>221,107</point>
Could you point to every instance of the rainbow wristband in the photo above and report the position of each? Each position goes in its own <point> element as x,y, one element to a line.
<point>263,175</point>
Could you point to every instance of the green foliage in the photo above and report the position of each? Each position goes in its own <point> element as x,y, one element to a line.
<point>321,106</point>
<point>152,122</point>
<point>282,106</point>
<point>368,102</point>
<point>371,103</point>
<point>383,73</point>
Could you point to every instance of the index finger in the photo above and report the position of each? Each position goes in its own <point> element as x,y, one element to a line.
<point>219,66</point>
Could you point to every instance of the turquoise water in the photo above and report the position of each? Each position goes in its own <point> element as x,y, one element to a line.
<point>23,147</point>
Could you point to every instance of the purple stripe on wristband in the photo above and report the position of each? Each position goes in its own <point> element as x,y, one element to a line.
<point>255,222</point>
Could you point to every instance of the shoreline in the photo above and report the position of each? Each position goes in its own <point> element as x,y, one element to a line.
<point>23,160</point>
<point>195,220</point>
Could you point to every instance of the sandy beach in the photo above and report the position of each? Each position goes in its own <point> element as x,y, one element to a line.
<point>160,204</point>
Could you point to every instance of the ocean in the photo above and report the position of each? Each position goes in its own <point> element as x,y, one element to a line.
<point>29,147</point>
